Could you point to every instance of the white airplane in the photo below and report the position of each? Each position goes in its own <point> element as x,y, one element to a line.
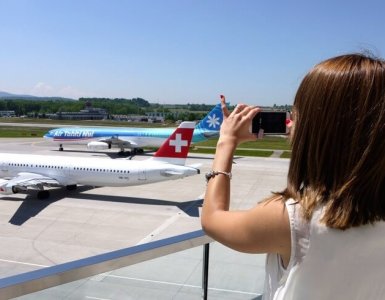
<point>24,171</point>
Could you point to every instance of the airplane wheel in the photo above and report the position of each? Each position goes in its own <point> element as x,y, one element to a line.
<point>71,187</point>
<point>124,153</point>
<point>41,195</point>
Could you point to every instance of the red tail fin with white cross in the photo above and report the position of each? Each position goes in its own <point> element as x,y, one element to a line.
<point>175,149</point>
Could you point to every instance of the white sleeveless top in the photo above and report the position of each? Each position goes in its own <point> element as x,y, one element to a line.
<point>328,263</point>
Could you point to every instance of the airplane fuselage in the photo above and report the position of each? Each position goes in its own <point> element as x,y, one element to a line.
<point>135,137</point>
<point>91,171</point>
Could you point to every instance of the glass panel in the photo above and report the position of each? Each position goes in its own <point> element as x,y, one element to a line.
<point>232,275</point>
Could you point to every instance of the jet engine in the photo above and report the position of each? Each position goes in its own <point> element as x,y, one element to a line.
<point>7,190</point>
<point>98,146</point>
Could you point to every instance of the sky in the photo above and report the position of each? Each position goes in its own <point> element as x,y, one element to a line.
<point>179,51</point>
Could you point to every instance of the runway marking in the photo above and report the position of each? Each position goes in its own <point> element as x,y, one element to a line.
<point>22,263</point>
<point>182,285</point>
<point>163,226</point>
<point>158,230</point>
<point>96,298</point>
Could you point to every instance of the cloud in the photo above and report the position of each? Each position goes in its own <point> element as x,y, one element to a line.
<point>70,92</point>
<point>43,89</point>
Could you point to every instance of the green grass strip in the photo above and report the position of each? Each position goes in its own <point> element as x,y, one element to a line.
<point>18,132</point>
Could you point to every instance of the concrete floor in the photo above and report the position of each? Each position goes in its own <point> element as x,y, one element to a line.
<point>89,221</point>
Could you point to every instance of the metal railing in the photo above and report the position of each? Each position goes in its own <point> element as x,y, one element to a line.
<point>30,282</point>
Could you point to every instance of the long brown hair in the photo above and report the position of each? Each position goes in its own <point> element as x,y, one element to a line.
<point>338,143</point>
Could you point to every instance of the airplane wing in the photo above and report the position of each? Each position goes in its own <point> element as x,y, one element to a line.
<point>105,143</point>
<point>26,180</point>
<point>126,142</point>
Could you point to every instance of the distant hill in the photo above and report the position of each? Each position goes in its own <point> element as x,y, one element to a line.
<point>9,96</point>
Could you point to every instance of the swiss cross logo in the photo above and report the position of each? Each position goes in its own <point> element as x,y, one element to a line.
<point>178,143</point>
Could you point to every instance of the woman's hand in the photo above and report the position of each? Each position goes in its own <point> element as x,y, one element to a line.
<point>236,125</point>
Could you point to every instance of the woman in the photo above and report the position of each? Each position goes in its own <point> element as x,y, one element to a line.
<point>324,232</point>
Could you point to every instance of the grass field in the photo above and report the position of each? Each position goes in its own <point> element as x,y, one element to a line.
<point>17,132</point>
<point>262,148</point>
<point>269,142</point>
<point>54,123</point>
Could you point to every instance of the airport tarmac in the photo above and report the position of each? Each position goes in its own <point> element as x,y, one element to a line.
<point>76,224</point>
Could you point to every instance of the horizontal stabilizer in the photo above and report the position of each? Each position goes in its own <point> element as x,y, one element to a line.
<point>168,173</point>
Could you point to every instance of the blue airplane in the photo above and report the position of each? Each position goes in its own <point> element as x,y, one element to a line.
<point>102,138</point>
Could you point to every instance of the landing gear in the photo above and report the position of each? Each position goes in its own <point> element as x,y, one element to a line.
<point>61,147</point>
<point>71,187</point>
<point>124,153</point>
<point>41,195</point>
<point>131,153</point>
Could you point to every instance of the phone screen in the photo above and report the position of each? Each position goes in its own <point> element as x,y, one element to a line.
<point>271,122</point>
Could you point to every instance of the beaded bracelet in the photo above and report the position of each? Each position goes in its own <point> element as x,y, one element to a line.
<point>212,174</point>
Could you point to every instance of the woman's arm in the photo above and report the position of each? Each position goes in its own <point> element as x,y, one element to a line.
<point>264,228</point>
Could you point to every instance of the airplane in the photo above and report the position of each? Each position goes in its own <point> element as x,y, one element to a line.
<point>21,172</point>
<point>102,138</point>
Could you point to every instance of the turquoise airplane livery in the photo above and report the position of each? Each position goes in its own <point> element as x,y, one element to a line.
<point>102,138</point>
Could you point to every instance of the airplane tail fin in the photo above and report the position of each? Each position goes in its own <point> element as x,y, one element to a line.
<point>212,121</point>
<point>175,149</point>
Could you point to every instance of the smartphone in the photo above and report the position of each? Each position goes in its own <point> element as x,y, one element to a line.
<point>271,122</point>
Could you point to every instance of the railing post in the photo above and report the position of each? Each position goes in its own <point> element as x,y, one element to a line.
<point>205,271</point>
